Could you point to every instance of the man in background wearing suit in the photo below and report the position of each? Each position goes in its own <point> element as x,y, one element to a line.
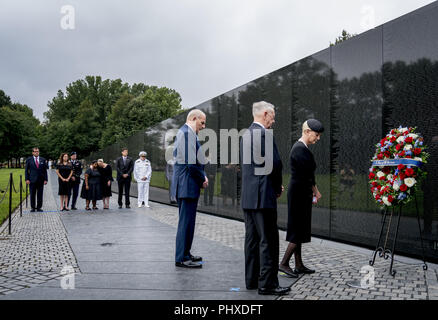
<point>188,178</point>
<point>75,179</point>
<point>36,178</point>
<point>261,186</point>
<point>125,166</point>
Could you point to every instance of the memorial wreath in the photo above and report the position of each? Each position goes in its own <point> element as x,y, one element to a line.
<point>397,167</point>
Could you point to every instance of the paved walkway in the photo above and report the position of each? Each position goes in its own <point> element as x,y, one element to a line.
<point>36,251</point>
<point>128,254</point>
<point>116,254</point>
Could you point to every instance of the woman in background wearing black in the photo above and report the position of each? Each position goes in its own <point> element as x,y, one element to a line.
<point>92,186</point>
<point>64,170</point>
<point>301,194</point>
<point>106,173</point>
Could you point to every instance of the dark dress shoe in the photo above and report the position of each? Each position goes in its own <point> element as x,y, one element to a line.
<point>120,207</point>
<point>288,271</point>
<point>128,207</point>
<point>279,291</point>
<point>74,208</point>
<point>188,264</point>
<point>33,210</point>
<point>251,287</point>
<point>304,270</point>
<point>40,210</point>
<point>195,258</point>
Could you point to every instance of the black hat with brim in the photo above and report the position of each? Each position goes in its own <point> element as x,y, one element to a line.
<point>315,125</point>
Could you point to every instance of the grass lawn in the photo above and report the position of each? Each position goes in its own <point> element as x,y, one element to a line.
<point>4,179</point>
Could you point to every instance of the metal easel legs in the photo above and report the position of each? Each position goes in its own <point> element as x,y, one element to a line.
<point>386,253</point>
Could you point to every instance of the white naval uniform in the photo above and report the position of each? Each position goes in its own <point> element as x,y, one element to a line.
<point>143,169</point>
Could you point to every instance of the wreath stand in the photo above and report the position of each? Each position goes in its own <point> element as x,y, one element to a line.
<point>386,253</point>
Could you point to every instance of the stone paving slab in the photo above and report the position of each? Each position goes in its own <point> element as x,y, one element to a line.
<point>44,293</point>
<point>336,264</point>
<point>119,239</point>
<point>118,250</point>
<point>142,267</point>
<point>37,250</point>
<point>205,279</point>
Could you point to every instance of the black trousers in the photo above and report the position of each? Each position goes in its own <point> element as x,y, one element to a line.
<point>36,189</point>
<point>124,184</point>
<point>75,191</point>
<point>261,248</point>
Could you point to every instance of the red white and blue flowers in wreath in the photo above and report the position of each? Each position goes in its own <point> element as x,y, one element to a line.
<point>397,167</point>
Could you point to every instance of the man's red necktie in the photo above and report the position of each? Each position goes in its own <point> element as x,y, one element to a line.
<point>37,164</point>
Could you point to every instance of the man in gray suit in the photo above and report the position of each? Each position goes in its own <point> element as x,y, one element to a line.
<point>261,186</point>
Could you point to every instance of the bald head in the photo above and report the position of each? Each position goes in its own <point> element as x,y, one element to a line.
<point>196,119</point>
<point>195,113</point>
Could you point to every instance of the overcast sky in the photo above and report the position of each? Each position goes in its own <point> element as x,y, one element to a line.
<point>201,48</point>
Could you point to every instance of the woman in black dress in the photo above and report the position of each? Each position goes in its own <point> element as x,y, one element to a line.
<point>106,173</point>
<point>92,186</point>
<point>64,170</point>
<point>301,194</point>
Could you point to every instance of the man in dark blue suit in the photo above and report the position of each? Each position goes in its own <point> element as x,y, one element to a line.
<point>36,178</point>
<point>188,178</point>
<point>261,186</point>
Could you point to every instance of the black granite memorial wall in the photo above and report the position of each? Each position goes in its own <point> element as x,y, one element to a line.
<point>359,89</point>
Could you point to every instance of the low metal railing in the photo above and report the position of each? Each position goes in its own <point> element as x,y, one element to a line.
<point>9,189</point>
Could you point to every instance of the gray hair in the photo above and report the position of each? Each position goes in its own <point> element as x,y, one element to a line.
<point>195,113</point>
<point>99,160</point>
<point>262,106</point>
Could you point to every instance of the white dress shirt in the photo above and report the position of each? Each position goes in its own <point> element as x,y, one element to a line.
<point>259,124</point>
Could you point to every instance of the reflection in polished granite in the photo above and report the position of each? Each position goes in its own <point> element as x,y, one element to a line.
<point>359,89</point>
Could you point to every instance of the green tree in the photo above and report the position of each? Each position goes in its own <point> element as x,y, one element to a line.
<point>131,114</point>
<point>116,128</point>
<point>86,128</point>
<point>59,139</point>
<point>4,99</point>
<point>93,113</point>
<point>9,135</point>
<point>344,36</point>
<point>17,131</point>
